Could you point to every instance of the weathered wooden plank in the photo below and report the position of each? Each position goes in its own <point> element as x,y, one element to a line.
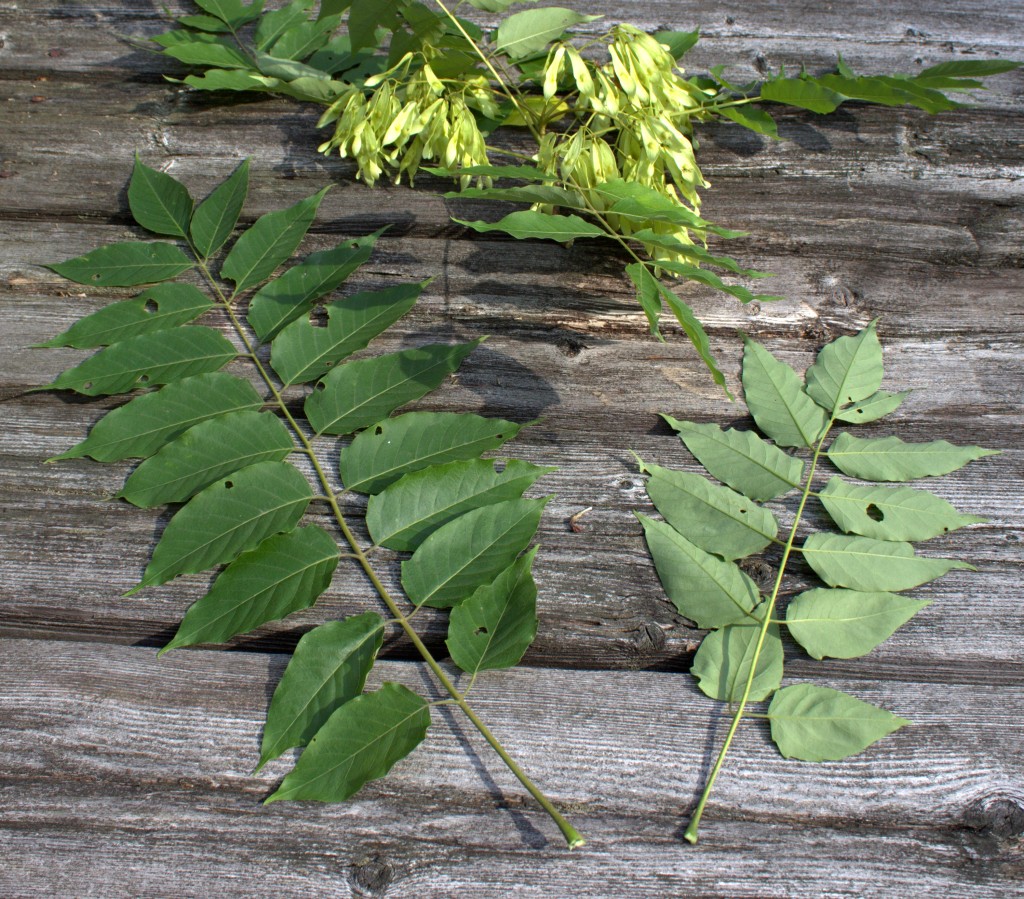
<point>151,785</point>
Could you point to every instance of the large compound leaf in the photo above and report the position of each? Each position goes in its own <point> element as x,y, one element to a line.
<point>206,453</point>
<point>873,408</point>
<point>148,360</point>
<point>539,226</point>
<point>360,742</point>
<point>891,513</point>
<point>525,33</point>
<point>139,428</point>
<point>380,455</point>
<point>228,518</point>
<point>158,202</point>
<point>270,241</point>
<point>328,669</point>
<point>497,624</point>
<point>891,459</point>
<point>284,574</point>
<point>847,370</point>
<point>303,351</point>
<point>706,589</point>
<point>872,565</point>
<point>157,309</point>
<point>844,624</point>
<point>723,662</point>
<point>717,519</point>
<point>215,218</point>
<point>816,724</point>
<point>293,294</point>
<point>361,393</point>
<point>403,515</point>
<point>125,265</point>
<point>777,401</point>
<point>740,459</point>
<point>470,551</point>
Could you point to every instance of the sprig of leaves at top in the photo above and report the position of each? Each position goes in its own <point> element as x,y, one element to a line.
<point>707,527</point>
<point>611,115</point>
<point>217,447</point>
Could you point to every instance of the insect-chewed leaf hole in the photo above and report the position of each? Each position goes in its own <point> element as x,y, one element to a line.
<point>151,306</point>
<point>480,631</point>
<point>228,485</point>
<point>499,465</point>
<point>874,513</point>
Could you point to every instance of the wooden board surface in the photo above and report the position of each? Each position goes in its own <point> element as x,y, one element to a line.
<point>121,775</point>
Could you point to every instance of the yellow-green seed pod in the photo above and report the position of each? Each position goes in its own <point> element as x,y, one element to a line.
<point>552,70</point>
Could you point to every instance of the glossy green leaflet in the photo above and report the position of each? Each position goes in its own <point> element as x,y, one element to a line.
<point>219,446</point>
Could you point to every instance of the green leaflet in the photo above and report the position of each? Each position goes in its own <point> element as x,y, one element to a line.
<point>328,669</point>
<point>844,624</point>
<point>698,254</point>
<point>228,518</point>
<point>303,351</point>
<point>380,455</point>
<point>847,370</point>
<point>723,662</point>
<point>274,24</point>
<point>891,459</point>
<point>360,742</point>
<point>873,408</point>
<point>777,401</point>
<point>283,574</point>
<point>269,242</point>
<point>678,42</point>
<point>817,724</point>
<point>525,33</point>
<point>206,453</point>
<point>147,360</point>
<point>705,588</point>
<point>470,551</point>
<point>648,293</point>
<point>539,226</point>
<point>403,515</point>
<point>293,294</point>
<point>865,564</point>
<point>804,93</point>
<point>158,202</point>
<point>717,519</point>
<point>497,624</point>
<point>360,393</point>
<point>891,513</point>
<point>232,12</point>
<point>218,52</point>
<point>521,172</point>
<point>125,265</point>
<point>215,218</point>
<point>139,428</point>
<point>740,459</point>
<point>162,306</point>
<point>750,117</point>
<point>530,193</point>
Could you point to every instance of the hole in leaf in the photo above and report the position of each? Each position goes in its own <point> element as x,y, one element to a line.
<point>228,485</point>
<point>479,631</point>
<point>318,317</point>
<point>87,385</point>
<point>143,379</point>
<point>321,386</point>
<point>874,513</point>
<point>378,430</point>
<point>96,276</point>
<point>150,307</point>
<point>499,465</point>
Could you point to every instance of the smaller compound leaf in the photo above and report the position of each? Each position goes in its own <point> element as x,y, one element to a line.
<point>740,459</point>
<point>303,351</point>
<point>284,574</point>
<point>496,625</point>
<point>358,394</point>
<point>717,519</point>
<point>228,518</point>
<point>891,513</point>
<point>403,515</point>
<point>844,624</point>
<point>777,401</point>
<point>328,669</point>
<point>753,118</point>
<point>876,406</point>
<point>360,742</point>
<point>706,589</point>
<point>148,360</point>
<point>524,33</point>
<point>847,370</point>
<point>862,563</point>
<point>891,459</point>
<point>722,664</point>
<point>528,224</point>
<point>270,241</point>
<point>215,218</point>
<point>206,453</point>
<point>817,724</point>
<point>126,264</point>
<point>648,293</point>
<point>293,294</point>
<point>158,202</point>
<point>966,68</point>
<point>140,427</point>
<point>157,309</point>
<point>470,551</point>
<point>380,455</point>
